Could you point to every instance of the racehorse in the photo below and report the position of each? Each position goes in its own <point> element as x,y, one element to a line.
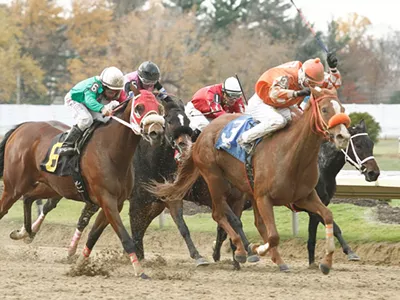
<point>151,163</point>
<point>285,171</point>
<point>106,165</point>
<point>359,153</point>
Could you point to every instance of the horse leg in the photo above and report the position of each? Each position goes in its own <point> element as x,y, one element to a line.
<point>313,204</point>
<point>273,251</point>
<point>234,220</point>
<point>87,212</point>
<point>219,190</point>
<point>110,215</point>
<point>312,238</point>
<point>221,237</point>
<point>176,210</point>
<point>351,255</point>
<point>140,218</point>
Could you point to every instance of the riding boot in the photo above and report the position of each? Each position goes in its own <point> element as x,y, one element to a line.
<point>68,147</point>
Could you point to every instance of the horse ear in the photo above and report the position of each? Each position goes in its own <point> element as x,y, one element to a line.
<point>363,125</point>
<point>161,110</point>
<point>134,89</point>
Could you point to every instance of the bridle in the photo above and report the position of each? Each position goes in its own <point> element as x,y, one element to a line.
<point>358,163</point>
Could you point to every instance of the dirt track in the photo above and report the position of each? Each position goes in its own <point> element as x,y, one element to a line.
<point>40,270</point>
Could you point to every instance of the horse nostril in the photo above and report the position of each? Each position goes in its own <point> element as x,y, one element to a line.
<point>372,174</point>
<point>340,137</point>
<point>182,144</point>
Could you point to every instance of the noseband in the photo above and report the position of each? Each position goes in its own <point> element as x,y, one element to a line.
<point>358,163</point>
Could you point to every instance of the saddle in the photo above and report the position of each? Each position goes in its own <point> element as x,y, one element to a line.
<point>69,165</point>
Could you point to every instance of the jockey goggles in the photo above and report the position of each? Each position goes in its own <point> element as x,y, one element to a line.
<point>147,82</point>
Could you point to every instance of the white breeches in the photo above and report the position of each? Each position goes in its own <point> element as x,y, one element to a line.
<point>82,115</point>
<point>270,118</point>
<point>197,119</point>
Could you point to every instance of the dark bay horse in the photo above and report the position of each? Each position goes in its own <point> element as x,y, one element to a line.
<point>106,164</point>
<point>359,153</point>
<point>285,171</point>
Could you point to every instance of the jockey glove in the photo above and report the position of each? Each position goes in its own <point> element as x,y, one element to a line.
<point>332,60</point>
<point>301,93</point>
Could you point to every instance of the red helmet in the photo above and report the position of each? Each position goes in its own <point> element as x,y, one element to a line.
<point>312,71</point>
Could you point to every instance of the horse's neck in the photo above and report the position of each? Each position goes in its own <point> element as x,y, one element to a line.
<point>330,161</point>
<point>308,142</point>
<point>124,142</point>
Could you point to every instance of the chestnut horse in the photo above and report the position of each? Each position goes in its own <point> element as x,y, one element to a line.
<point>285,171</point>
<point>106,165</point>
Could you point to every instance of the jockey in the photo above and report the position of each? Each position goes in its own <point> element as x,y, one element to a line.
<point>145,78</point>
<point>90,99</point>
<point>282,87</point>
<point>213,101</point>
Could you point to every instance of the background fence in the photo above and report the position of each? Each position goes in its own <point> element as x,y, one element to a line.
<point>11,114</point>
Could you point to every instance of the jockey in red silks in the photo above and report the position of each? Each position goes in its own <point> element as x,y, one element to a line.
<point>213,101</point>
<point>145,78</point>
<point>282,87</point>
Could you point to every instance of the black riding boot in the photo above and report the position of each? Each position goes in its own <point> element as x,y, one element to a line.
<point>68,147</point>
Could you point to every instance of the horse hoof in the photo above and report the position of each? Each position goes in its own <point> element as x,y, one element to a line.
<point>15,234</point>
<point>324,268</point>
<point>353,257</point>
<point>201,262</point>
<point>240,258</point>
<point>144,276</point>
<point>284,268</point>
<point>313,266</point>
<point>253,258</point>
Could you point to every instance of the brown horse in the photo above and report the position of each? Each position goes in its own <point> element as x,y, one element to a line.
<point>106,164</point>
<point>285,171</point>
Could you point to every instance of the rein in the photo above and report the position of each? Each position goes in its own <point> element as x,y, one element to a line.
<point>320,125</point>
<point>358,164</point>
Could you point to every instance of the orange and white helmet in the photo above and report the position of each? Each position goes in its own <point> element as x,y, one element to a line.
<point>311,73</point>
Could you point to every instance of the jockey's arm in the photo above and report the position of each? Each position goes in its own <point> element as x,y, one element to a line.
<point>334,79</point>
<point>162,92</point>
<point>208,106</point>
<point>91,102</point>
<point>278,94</point>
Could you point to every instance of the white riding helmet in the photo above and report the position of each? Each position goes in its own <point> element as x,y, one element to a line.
<point>232,88</point>
<point>113,78</point>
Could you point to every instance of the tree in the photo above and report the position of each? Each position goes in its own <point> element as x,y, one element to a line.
<point>373,127</point>
<point>173,41</point>
<point>15,66</point>
<point>44,39</point>
<point>89,34</point>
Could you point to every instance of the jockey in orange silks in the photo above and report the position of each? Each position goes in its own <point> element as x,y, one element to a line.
<point>284,86</point>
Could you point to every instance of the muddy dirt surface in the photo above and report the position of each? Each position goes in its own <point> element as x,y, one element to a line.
<point>41,270</point>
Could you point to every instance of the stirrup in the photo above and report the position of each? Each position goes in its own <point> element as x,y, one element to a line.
<point>249,147</point>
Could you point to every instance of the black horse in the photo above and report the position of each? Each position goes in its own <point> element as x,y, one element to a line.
<point>359,153</point>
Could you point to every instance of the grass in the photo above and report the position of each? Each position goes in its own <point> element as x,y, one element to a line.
<point>357,223</point>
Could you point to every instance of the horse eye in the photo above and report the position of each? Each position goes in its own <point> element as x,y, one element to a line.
<point>324,110</point>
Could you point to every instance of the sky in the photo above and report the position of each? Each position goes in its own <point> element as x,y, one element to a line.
<point>382,13</point>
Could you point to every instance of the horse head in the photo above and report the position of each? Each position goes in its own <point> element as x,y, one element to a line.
<point>359,152</point>
<point>328,116</point>
<point>147,117</point>
<point>177,130</point>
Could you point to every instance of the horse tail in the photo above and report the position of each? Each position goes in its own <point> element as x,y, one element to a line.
<point>187,174</point>
<point>3,147</point>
